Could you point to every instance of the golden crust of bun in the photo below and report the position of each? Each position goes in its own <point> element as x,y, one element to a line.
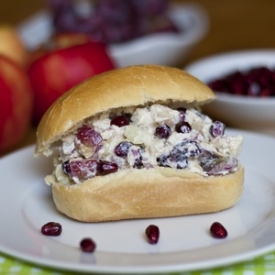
<point>125,87</point>
<point>158,192</point>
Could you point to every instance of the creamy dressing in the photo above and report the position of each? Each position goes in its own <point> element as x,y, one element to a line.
<point>145,145</point>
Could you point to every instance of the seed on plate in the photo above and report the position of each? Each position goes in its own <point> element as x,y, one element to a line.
<point>87,245</point>
<point>218,231</point>
<point>152,233</point>
<point>51,229</point>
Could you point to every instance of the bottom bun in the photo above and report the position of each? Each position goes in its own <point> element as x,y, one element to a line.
<point>159,192</point>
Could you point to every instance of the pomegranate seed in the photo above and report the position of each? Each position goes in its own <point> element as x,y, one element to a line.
<point>87,245</point>
<point>183,127</point>
<point>256,82</point>
<point>107,167</point>
<point>120,121</point>
<point>152,233</point>
<point>51,229</point>
<point>163,131</point>
<point>218,231</point>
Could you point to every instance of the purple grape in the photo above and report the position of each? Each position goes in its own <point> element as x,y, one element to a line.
<point>226,165</point>
<point>83,169</point>
<point>215,165</point>
<point>207,160</point>
<point>64,15</point>
<point>122,149</point>
<point>88,136</point>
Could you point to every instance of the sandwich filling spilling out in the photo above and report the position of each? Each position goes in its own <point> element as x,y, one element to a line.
<point>144,138</point>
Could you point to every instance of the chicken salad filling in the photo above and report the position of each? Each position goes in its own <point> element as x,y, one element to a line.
<point>143,138</point>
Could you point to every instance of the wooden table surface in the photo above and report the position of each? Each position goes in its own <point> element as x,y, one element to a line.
<point>234,25</point>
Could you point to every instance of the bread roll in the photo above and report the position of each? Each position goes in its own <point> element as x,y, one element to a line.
<point>174,175</point>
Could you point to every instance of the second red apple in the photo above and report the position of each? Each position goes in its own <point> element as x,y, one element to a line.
<point>57,70</point>
<point>15,104</point>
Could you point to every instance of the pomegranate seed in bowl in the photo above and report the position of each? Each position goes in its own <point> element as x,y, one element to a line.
<point>256,82</point>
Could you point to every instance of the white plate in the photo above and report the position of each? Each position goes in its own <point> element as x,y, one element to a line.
<point>185,243</point>
<point>163,49</point>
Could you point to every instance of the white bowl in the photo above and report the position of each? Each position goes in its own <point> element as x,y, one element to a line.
<point>255,114</point>
<point>163,49</point>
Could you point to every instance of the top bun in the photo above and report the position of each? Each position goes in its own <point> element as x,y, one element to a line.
<point>125,87</point>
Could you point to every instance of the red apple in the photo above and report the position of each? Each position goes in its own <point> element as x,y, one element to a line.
<point>57,69</point>
<point>15,104</point>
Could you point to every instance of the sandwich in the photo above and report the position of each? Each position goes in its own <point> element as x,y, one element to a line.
<point>133,143</point>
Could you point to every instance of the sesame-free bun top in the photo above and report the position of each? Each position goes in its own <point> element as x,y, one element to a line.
<point>125,87</point>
